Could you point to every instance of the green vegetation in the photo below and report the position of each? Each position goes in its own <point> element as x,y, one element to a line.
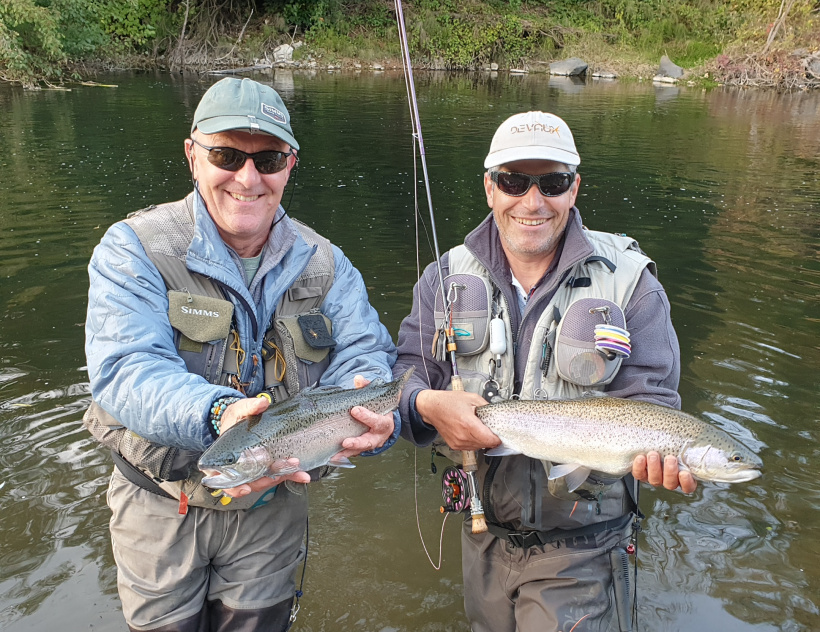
<point>46,41</point>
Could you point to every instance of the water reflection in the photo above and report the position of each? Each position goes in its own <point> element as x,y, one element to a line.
<point>721,188</point>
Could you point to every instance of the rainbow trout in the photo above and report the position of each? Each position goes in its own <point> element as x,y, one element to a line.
<point>310,426</point>
<point>605,434</point>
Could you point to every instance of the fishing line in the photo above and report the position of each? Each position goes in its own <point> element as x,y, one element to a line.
<point>417,297</point>
<point>418,523</point>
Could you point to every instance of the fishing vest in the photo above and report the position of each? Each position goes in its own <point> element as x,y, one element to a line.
<point>202,336</point>
<point>515,488</point>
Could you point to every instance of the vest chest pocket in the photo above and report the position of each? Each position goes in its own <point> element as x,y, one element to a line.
<point>199,319</point>
<point>305,344</point>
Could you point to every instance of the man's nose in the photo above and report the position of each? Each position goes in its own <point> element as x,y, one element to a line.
<point>533,198</point>
<point>248,174</point>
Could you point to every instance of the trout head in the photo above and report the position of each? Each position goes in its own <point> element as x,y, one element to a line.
<point>721,461</point>
<point>230,468</point>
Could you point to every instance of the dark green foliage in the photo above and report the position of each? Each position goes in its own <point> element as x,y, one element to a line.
<point>30,42</point>
<point>39,38</point>
<point>135,23</point>
<point>463,40</point>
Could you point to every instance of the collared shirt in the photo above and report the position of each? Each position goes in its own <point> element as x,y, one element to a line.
<point>521,293</point>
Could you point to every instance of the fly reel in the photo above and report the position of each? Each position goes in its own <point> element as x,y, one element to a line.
<point>454,490</point>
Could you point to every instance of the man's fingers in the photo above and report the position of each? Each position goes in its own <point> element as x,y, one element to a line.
<point>639,467</point>
<point>378,424</point>
<point>241,409</point>
<point>670,472</point>
<point>654,469</point>
<point>688,484</point>
<point>237,492</point>
<point>667,472</point>
<point>361,443</point>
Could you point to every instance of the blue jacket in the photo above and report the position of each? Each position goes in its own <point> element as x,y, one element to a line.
<point>138,377</point>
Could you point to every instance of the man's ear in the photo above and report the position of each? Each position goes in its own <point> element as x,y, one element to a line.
<point>576,186</point>
<point>189,154</point>
<point>488,188</point>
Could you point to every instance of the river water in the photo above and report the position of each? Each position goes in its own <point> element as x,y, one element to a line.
<point>720,187</point>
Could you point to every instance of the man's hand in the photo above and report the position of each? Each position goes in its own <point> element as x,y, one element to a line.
<point>381,427</point>
<point>648,469</point>
<point>232,415</point>
<point>452,413</point>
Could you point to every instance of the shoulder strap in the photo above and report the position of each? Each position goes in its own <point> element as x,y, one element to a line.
<point>310,288</point>
<point>165,232</point>
<point>623,244</point>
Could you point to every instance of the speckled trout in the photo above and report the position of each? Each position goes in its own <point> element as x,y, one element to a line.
<point>310,427</point>
<point>605,434</point>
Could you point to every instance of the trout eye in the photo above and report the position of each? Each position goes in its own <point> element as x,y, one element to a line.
<point>735,457</point>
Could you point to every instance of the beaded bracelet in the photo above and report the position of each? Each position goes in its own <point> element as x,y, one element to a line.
<point>218,407</point>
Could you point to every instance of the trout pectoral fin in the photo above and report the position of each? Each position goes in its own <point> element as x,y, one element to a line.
<point>574,474</point>
<point>340,461</point>
<point>502,450</point>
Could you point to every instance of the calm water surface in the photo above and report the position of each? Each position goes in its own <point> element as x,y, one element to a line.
<point>721,188</point>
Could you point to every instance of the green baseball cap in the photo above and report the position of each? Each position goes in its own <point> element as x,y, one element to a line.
<point>243,104</point>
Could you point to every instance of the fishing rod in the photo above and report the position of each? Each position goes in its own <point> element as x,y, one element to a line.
<point>468,457</point>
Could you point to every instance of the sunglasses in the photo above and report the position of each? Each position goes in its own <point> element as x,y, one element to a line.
<point>517,184</point>
<point>230,159</point>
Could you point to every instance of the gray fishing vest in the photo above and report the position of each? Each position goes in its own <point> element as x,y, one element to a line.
<point>599,281</point>
<point>518,484</point>
<point>203,340</point>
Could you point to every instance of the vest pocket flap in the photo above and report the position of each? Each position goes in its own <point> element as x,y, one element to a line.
<point>300,346</point>
<point>301,293</point>
<point>577,356</point>
<point>200,318</point>
<point>470,298</point>
<point>315,331</point>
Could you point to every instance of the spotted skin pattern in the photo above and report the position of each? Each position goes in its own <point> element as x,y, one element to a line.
<point>310,426</point>
<point>605,434</point>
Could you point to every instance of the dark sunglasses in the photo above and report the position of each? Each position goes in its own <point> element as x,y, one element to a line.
<point>230,159</point>
<point>517,184</point>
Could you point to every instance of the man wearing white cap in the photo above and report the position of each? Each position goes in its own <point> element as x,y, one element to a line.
<point>195,308</point>
<point>565,310</point>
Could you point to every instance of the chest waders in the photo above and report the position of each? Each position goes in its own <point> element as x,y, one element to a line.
<point>522,508</point>
<point>204,329</point>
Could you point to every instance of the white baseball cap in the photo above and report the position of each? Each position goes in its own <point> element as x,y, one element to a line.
<point>532,136</point>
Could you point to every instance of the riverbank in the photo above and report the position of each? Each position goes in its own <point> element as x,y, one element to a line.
<point>780,70</point>
<point>761,43</point>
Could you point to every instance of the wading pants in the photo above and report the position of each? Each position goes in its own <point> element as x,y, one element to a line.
<point>545,588</point>
<point>216,617</point>
<point>207,570</point>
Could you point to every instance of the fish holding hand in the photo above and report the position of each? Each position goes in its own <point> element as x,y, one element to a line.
<point>290,438</point>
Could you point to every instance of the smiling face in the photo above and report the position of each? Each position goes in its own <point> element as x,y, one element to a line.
<point>242,203</point>
<point>531,225</point>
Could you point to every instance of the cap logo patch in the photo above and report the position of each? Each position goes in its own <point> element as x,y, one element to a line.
<point>272,112</point>
<point>535,127</point>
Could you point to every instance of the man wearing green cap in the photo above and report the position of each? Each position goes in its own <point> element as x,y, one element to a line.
<point>195,308</point>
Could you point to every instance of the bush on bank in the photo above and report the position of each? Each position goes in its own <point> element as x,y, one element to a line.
<point>47,40</point>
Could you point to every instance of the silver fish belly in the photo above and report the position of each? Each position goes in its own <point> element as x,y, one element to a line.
<point>310,427</point>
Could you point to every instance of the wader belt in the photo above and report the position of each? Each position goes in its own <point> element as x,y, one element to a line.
<point>137,477</point>
<point>526,539</point>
